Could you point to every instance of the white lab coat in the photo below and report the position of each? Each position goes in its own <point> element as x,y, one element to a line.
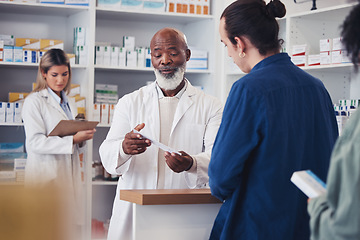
<point>196,122</point>
<point>50,159</point>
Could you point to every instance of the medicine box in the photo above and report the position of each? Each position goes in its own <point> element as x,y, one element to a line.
<point>206,7</point>
<point>192,6</point>
<point>79,36</point>
<point>29,56</point>
<point>132,4</point>
<point>298,50</point>
<point>111,112</point>
<point>313,59</point>
<point>107,54</point>
<point>40,53</point>
<point>9,115</point>
<point>154,5</point>
<point>17,112</point>
<point>53,1</point>
<point>185,6</point>
<point>325,58</point>
<point>129,43</point>
<point>147,57</point>
<point>171,6</point>
<point>309,183</point>
<point>2,112</point>
<point>81,52</point>
<point>74,89</point>
<point>114,56</point>
<point>18,54</point>
<point>337,44</point>
<point>299,61</point>
<point>99,55</point>
<point>104,113</point>
<point>28,43</point>
<point>1,50</point>
<point>122,57</point>
<point>140,57</point>
<point>8,40</point>
<point>326,45</point>
<point>71,57</point>
<point>131,58</point>
<point>113,4</point>
<point>77,2</point>
<point>8,53</point>
<point>336,57</point>
<point>96,112</point>
<point>199,7</point>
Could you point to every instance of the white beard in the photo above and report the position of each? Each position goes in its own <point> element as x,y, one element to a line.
<point>171,82</point>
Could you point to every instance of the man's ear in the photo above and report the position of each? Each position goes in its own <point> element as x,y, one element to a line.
<point>188,54</point>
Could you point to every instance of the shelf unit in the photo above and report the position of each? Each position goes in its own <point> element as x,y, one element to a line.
<point>53,21</point>
<point>339,79</point>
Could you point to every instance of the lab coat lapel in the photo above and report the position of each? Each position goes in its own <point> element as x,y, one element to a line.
<point>51,101</point>
<point>151,105</point>
<point>185,103</point>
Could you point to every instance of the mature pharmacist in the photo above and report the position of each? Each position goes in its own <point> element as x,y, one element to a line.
<point>171,111</point>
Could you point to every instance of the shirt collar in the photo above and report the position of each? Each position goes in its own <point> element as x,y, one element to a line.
<point>178,95</point>
<point>57,98</point>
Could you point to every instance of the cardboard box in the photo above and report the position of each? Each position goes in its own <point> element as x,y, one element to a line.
<point>17,96</point>
<point>28,43</point>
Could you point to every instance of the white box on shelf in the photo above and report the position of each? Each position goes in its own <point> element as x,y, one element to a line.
<point>29,56</point>
<point>132,4</point>
<point>197,64</point>
<point>111,111</point>
<point>96,112</point>
<point>326,45</point>
<point>114,56</point>
<point>77,2</point>
<point>131,58</point>
<point>129,43</point>
<point>345,58</point>
<point>79,36</point>
<point>336,57</point>
<point>147,57</point>
<point>325,58</point>
<point>82,54</point>
<point>309,183</point>
<point>2,112</point>
<point>299,61</point>
<point>9,112</point>
<point>122,57</point>
<point>113,4</point>
<point>17,112</point>
<point>140,57</point>
<point>154,5</point>
<point>9,40</point>
<point>8,53</point>
<point>337,44</point>
<point>104,113</point>
<point>313,59</point>
<point>107,54</point>
<point>298,50</point>
<point>18,54</point>
<point>99,55</point>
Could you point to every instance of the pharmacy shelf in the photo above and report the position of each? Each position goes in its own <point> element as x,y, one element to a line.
<point>318,14</point>
<point>12,124</point>
<point>103,183</point>
<point>146,69</point>
<point>146,16</point>
<point>41,9</point>
<point>34,65</point>
<point>338,68</point>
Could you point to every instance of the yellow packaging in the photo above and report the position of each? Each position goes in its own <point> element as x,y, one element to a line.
<point>16,96</point>
<point>46,44</point>
<point>28,43</point>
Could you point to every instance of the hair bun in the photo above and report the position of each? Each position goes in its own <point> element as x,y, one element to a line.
<point>276,8</point>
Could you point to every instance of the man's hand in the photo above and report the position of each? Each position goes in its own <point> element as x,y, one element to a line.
<point>179,163</point>
<point>133,142</point>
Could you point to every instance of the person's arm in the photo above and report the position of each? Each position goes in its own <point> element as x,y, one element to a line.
<point>239,135</point>
<point>35,131</point>
<point>337,214</point>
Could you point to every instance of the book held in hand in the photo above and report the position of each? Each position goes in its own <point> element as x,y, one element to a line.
<point>309,183</point>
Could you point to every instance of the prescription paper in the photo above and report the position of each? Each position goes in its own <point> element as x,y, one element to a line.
<point>158,144</point>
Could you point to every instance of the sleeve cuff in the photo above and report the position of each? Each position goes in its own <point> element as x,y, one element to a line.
<point>193,167</point>
<point>123,157</point>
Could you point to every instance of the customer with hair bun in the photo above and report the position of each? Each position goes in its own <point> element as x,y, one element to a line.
<point>277,119</point>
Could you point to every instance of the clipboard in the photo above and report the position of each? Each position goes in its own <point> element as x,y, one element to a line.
<point>71,127</point>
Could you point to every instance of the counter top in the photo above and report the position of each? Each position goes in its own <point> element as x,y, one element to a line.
<point>168,196</point>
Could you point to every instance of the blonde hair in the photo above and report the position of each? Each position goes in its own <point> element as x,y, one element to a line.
<point>53,57</point>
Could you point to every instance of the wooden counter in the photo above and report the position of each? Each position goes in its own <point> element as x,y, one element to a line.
<point>175,214</point>
<point>168,196</point>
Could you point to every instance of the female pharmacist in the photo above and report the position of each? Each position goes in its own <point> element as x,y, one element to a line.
<point>53,160</point>
<point>277,120</point>
<point>336,215</point>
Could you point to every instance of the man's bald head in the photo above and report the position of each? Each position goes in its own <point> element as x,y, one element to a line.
<point>170,35</point>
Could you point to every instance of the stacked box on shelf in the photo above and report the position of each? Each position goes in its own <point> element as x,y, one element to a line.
<point>80,46</point>
<point>12,162</point>
<point>198,59</point>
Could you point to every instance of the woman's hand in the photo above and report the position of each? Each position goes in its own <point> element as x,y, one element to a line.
<point>83,136</point>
